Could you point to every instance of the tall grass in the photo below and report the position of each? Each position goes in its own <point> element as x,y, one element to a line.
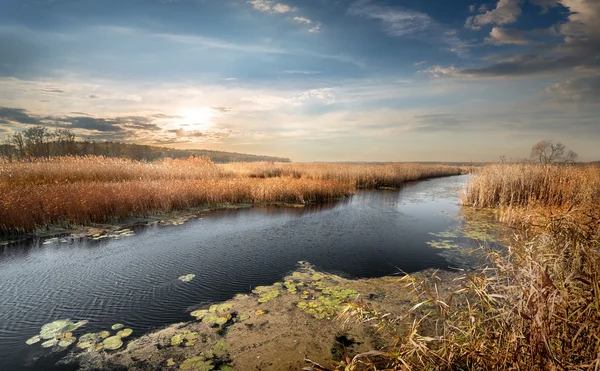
<point>535,306</point>
<point>80,190</point>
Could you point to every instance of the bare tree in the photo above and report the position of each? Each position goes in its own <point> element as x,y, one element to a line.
<point>549,152</point>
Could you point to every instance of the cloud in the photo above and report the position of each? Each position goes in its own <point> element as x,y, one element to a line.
<point>18,115</point>
<point>302,20</point>
<point>268,6</point>
<point>577,89</point>
<point>301,72</point>
<point>439,71</point>
<point>396,21</point>
<point>503,36</point>
<point>506,11</point>
<point>420,63</point>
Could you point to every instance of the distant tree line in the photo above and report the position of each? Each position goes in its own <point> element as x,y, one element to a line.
<point>39,142</point>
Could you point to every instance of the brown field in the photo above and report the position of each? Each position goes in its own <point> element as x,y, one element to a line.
<point>535,304</point>
<point>80,190</point>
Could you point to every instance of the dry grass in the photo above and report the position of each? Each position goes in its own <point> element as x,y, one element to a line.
<point>534,307</point>
<point>80,190</point>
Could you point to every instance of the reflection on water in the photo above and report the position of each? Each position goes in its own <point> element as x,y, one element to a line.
<point>134,280</point>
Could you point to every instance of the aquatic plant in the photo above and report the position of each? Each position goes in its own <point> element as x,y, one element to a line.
<point>112,343</point>
<point>187,336</point>
<point>104,334</point>
<point>124,333</point>
<point>198,363</point>
<point>187,277</point>
<point>53,329</point>
<point>171,362</point>
<point>117,326</point>
<point>33,340</point>
<point>49,343</point>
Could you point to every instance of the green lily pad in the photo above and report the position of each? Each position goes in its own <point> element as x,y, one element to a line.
<point>85,344</point>
<point>187,277</point>
<point>117,326</point>
<point>104,334</point>
<point>196,364</point>
<point>49,343</point>
<point>199,313</point>
<point>33,340</point>
<point>67,342</point>
<point>124,333</point>
<point>112,343</point>
<point>53,329</point>
<point>267,296</point>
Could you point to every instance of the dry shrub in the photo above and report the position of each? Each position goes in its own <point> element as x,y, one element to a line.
<point>535,306</point>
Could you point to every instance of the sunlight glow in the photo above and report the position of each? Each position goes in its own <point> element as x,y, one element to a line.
<point>197,119</point>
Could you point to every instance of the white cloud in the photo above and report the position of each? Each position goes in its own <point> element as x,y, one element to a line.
<point>439,71</point>
<point>281,8</point>
<point>506,11</point>
<point>302,20</point>
<point>316,28</point>
<point>420,63</point>
<point>268,6</point>
<point>396,21</point>
<point>503,36</point>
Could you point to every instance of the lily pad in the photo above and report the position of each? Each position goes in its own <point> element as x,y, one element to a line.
<point>117,326</point>
<point>112,343</point>
<point>104,334</point>
<point>187,277</point>
<point>85,344</point>
<point>124,333</point>
<point>67,342</point>
<point>196,364</point>
<point>49,343</point>
<point>33,340</point>
<point>171,362</point>
<point>53,329</point>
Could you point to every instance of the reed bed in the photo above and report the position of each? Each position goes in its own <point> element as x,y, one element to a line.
<point>79,190</point>
<point>534,306</point>
<point>359,175</point>
<point>534,186</point>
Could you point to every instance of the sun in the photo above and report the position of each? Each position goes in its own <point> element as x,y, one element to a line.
<point>197,119</point>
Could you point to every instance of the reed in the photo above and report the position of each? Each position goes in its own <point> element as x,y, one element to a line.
<point>80,190</point>
<point>534,306</point>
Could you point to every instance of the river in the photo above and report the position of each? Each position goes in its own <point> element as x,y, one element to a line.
<point>133,280</point>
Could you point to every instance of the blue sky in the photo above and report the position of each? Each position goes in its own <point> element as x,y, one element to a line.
<point>312,80</point>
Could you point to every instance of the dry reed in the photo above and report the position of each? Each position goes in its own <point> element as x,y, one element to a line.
<point>80,190</point>
<point>533,307</point>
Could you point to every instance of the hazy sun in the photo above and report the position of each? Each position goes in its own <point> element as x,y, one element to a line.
<point>196,119</point>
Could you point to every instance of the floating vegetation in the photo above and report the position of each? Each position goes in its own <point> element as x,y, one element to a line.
<point>443,244</point>
<point>187,336</point>
<point>49,343</point>
<point>117,326</point>
<point>67,342</point>
<point>116,235</point>
<point>112,343</point>
<point>198,363</point>
<point>54,329</point>
<point>328,303</point>
<point>124,333</point>
<point>260,312</point>
<point>446,234</point>
<point>270,295</point>
<point>187,277</point>
<point>33,340</point>
<point>216,314</point>
<point>170,362</point>
<point>104,334</point>
<point>59,332</point>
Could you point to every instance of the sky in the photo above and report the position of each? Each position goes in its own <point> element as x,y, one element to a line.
<point>311,80</point>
